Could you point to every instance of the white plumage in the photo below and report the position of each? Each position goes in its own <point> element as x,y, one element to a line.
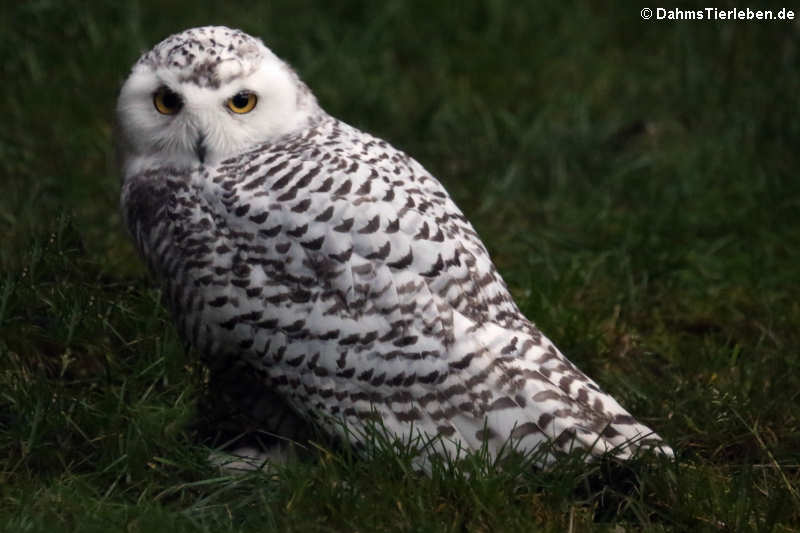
<point>332,265</point>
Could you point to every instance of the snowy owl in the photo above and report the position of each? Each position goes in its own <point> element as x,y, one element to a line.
<point>332,267</point>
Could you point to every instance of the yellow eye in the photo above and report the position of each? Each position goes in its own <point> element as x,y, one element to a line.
<point>242,102</point>
<point>167,102</point>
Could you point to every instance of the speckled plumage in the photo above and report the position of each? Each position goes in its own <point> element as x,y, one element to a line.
<point>334,266</point>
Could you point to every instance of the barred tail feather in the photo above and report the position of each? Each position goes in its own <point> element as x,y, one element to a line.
<point>510,387</point>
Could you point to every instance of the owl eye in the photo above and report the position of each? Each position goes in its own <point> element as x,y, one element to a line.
<point>242,102</point>
<point>166,101</point>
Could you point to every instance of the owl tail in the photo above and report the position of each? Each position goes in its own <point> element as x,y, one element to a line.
<point>514,389</point>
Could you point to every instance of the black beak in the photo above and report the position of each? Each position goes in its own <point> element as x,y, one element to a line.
<point>200,148</point>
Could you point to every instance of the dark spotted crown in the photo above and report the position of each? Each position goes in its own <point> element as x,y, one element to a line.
<point>208,56</point>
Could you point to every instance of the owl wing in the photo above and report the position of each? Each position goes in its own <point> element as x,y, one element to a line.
<point>385,304</point>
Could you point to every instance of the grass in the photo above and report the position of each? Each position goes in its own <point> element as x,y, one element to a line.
<point>636,183</point>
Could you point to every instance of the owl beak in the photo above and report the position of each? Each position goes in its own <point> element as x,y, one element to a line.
<point>200,148</point>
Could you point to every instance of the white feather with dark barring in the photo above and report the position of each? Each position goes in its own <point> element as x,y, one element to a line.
<point>334,266</point>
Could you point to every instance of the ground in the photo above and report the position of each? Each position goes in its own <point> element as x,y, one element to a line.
<point>636,182</point>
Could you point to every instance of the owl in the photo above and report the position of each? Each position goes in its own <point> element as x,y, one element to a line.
<point>331,269</point>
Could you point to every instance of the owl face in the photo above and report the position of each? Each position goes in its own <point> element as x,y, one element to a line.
<point>204,95</point>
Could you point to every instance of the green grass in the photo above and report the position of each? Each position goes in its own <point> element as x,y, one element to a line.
<point>637,184</point>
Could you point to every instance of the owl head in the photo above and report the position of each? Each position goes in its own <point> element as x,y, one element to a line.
<point>204,95</point>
